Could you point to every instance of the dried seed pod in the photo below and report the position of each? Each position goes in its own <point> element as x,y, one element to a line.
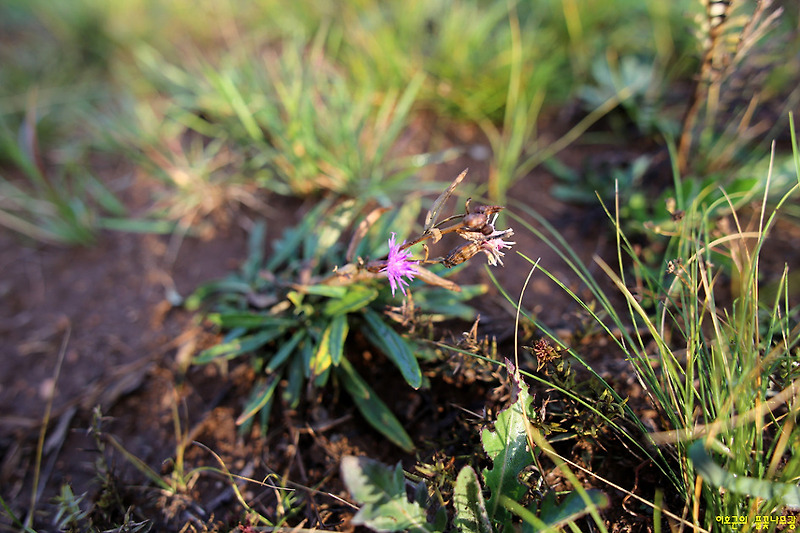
<point>475,221</point>
<point>461,253</point>
<point>478,219</point>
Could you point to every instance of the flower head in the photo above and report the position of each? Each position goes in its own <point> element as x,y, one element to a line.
<point>398,265</point>
<point>492,249</point>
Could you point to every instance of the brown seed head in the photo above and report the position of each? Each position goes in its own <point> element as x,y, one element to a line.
<point>475,221</point>
<point>461,253</point>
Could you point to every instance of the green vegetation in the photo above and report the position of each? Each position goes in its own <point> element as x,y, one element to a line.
<point>297,319</point>
<point>721,375</point>
<point>382,492</point>
<point>350,110</point>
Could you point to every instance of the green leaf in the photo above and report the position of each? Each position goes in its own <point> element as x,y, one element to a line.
<point>372,408</point>
<point>321,379</point>
<point>381,490</point>
<point>331,291</point>
<point>507,447</point>
<point>292,239</point>
<point>338,333</point>
<point>255,252</point>
<point>471,515</point>
<point>307,354</point>
<point>136,225</point>
<point>204,291</point>
<point>571,508</point>
<point>237,347</point>
<point>394,346</point>
<point>335,223</point>
<point>260,398</point>
<point>244,319</point>
<point>295,380</point>
<point>285,351</point>
<point>322,356</point>
<point>356,298</point>
<point>788,494</point>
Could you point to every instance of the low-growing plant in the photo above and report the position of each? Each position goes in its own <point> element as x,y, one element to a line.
<point>467,72</point>
<point>642,83</point>
<point>604,181</point>
<point>511,447</point>
<point>279,116</point>
<point>51,81</point>
<point>295,309</point>
<point>516,148</point>
<point>70,514</point>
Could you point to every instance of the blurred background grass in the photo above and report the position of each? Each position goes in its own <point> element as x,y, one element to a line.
<point>218,99</point>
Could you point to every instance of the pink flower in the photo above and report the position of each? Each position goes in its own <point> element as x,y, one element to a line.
<point>398,265</point>
<point>492,249</point>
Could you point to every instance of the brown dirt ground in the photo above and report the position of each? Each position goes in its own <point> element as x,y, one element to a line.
<point>104,309</point>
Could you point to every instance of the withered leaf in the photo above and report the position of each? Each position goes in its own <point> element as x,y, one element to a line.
<point>432,279</point>
<point>433,214</point>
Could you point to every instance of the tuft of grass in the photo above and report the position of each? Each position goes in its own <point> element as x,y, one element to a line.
<point>716,356</point>
<point>717,365</point>
<point>57,204</point>
<point>54,83</point>
<point>284,119</point>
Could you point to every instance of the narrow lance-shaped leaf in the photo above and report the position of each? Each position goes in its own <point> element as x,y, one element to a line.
<point>374,410</point>
<point>356,298</point>
<point>289,244</point>
<point>237,347</point>
<point>335,223</point>
<point>394,346</point>
<point>788,494</point>
<point>338,333</point>
<point>205,291</point>
<point>285,351</point>
<point>244,319</point>
<point>330,291</point>
<point>554,517</point>
<point>295,378</point>
<point>262,397</point>
<point>255,254</point>
<point>322,356</point>
<point>136,225</point>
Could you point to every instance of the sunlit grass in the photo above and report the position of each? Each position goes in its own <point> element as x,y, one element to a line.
<point>720,371</point>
